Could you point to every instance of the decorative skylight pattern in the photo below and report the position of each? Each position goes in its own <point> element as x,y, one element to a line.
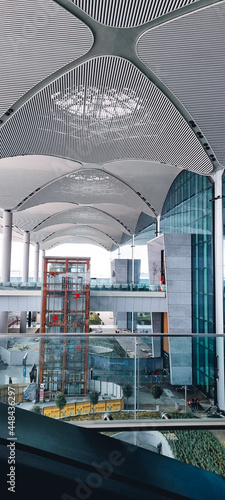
<point>104,110</point>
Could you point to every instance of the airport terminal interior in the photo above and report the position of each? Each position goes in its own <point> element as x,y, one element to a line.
<point>112,134</point>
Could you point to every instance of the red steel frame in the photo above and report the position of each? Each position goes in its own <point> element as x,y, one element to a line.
<point>65,261</point>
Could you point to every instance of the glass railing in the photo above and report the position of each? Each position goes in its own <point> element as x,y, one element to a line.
<point>93,286</point>
<point>129,287</point>
<point>123,385</point>
<point>31,285</point>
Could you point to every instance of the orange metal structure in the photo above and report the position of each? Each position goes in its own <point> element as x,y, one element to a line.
<point>65,309</point>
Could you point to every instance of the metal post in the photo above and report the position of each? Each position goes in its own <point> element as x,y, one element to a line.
<point>185,398</point>
<point>6,261</point>
<point>218,246</point>
<point>119,252</point>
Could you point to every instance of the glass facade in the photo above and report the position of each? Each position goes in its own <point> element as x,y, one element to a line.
<point>188,210</point>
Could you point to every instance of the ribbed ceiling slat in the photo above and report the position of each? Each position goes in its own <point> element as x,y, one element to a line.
<point>101,111</point>
<point>128,13</point>
<point>187,54</point>
<point>37,38</point>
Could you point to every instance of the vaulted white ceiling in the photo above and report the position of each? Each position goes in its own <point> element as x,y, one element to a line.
<point>102,104</point>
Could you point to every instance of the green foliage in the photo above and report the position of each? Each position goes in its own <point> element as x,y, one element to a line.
<point>94,395</point>
<point>156,391</point>
<point>94,319</point>
<point>199,448</point>
<point>127,390</point>
<point>60,401</point>
<point>37,409</point>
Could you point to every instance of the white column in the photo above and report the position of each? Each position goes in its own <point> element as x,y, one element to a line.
<point>26,248</point>
<point>42,267</point>
<point>6,261</point>
<point>119,252</point>
<point>36,262</point>
<point>25,275</point>
<point>132,248</point>
<point>6,245</point>
<point>158,225</point>
<point>219,272</point>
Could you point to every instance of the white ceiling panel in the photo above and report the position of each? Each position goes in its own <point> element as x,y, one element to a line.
<point>104,110</point>
<point>30,218</point>
<point>88,187</point>
<point>187,54</point>
<point>84,215</point>
<point>75,239</point>
<point>37,38</point>
<point>149,180</point>
<point>23,175</point>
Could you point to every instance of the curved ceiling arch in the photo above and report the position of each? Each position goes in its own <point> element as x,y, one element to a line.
<point>30,218</point>
<point>80,229</point>
<point>117,132</point>
<point>83,231</point>
<point>150,180</point>
<point>43,34</point>
<point>88,186</point>
<point>186,56</point>
<point>104,110</point>
<point>43,234</point>
<point>82,215</point>
<point>74,239</point>
<point>22,176</point>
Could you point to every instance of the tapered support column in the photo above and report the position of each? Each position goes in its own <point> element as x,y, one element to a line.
<point>157,225</point>
<point>36,262</point>
<point>132,248</point>
<point>6,261</point>
<point>218,246</point>
<point>26,248</point>
<point>42,260</point>
<point>25,273</point>
<point>6,245</point>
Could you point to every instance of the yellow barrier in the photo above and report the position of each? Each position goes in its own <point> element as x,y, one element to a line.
<point>19,388</point>
<point>79,408</point>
